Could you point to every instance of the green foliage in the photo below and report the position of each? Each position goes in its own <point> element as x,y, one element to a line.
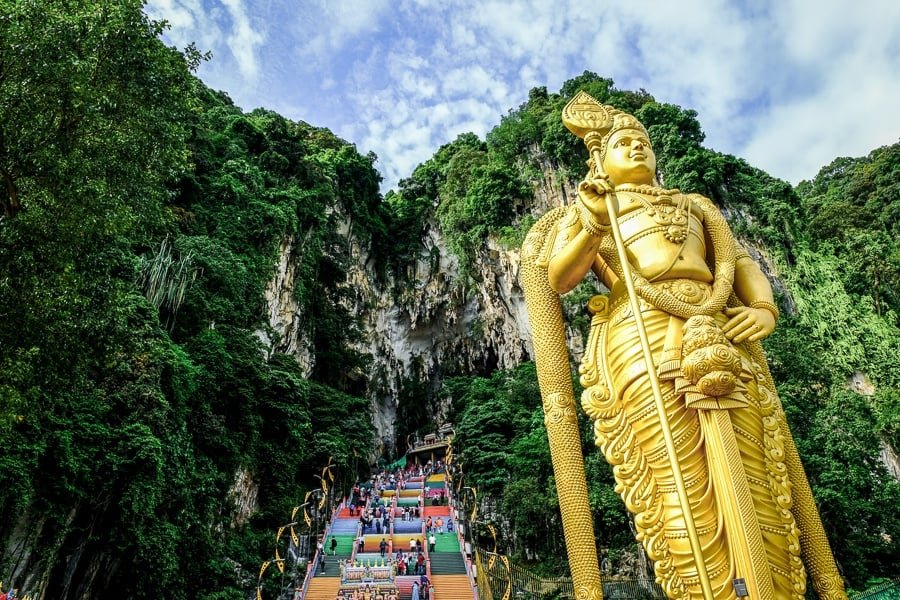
<point>469,190</point>
<point>132,195</point>
<point>854,217</point>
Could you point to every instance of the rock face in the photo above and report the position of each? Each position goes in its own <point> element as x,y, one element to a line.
<point>432,324</point>
<point>283,314</point>
<point>243,497</point>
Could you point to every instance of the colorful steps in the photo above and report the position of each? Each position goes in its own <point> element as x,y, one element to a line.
<point>344,526</point>
<point>372,542</point>
<point>401,540</point>
<point>414,526</point>
<point>447,542</point>
<point>437,511</point>
<point>449,563</point>
<point>323,588</point>
<point>344,544</point>
<point>452,587</point>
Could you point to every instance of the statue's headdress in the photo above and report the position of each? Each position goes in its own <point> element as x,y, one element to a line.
<point>595,122</point>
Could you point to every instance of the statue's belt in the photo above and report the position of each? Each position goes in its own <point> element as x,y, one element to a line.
<point>686,290</point>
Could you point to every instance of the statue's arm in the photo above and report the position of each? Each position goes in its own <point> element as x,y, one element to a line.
<point>754,321</point>
<point>750,284</point>
<point>572,261</point>
<point>579,236</point>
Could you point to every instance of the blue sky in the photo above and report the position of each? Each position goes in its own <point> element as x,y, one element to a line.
<point>786,84</point>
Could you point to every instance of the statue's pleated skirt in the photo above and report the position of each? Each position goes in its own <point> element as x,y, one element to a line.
<point>634,444</point>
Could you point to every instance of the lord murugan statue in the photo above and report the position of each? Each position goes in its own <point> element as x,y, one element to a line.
<point>675,381</point>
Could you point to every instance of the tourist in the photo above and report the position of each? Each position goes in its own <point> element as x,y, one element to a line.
<point>440,525</point>
<point>415,591</point>
<point>420,564</point>
<point>450,524</point>
<point>334,545</point>
<point>431,542</point>
<point>382,547</point>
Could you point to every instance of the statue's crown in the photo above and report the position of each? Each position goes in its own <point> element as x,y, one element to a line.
<point>583,115</point>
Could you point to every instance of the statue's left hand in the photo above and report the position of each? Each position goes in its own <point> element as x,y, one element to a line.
<point>746,323</point>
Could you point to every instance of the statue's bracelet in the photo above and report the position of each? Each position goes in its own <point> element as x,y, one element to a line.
<point>768,306</point>
<point>589,224</point>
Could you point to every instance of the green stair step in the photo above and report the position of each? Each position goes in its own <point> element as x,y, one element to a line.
<point>345,544</point>
<point>447,542</point>
<point>447,564</point>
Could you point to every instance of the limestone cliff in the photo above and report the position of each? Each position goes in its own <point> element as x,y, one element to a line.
<point>430,325</point>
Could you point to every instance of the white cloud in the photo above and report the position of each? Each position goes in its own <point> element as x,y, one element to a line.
<point>788,84</point>
<point>321,28</point>
<point>243,39</point>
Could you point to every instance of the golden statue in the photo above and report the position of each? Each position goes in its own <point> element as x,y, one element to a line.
<point>700,448</point>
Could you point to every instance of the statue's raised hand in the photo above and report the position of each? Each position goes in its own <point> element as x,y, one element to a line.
<point>592,193</point>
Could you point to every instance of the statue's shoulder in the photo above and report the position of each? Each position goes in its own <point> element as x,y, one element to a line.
<point>700,200</point>
<point>703,203</point>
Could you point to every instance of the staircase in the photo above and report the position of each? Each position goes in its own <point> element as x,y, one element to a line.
<point>447,563</point>
<point>452,587</point>
<point>323,588</point>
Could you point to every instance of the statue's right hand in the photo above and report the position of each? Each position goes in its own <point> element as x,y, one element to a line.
<point>592,192</point>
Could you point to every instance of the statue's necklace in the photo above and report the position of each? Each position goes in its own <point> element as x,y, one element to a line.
<point>673,217</point>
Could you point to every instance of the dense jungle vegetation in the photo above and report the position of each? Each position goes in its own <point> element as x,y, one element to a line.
<point>142,214</point>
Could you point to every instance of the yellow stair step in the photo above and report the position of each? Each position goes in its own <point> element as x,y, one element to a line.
<point>452,587</point>
<point>323,588</point>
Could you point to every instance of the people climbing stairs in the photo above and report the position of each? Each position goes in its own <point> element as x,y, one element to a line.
<point>395,537</point>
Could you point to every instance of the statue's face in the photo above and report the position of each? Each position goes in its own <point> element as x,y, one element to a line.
<point>629,158</point>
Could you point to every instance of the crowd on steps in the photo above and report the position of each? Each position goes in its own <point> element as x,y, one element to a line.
<point>382,541</point>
